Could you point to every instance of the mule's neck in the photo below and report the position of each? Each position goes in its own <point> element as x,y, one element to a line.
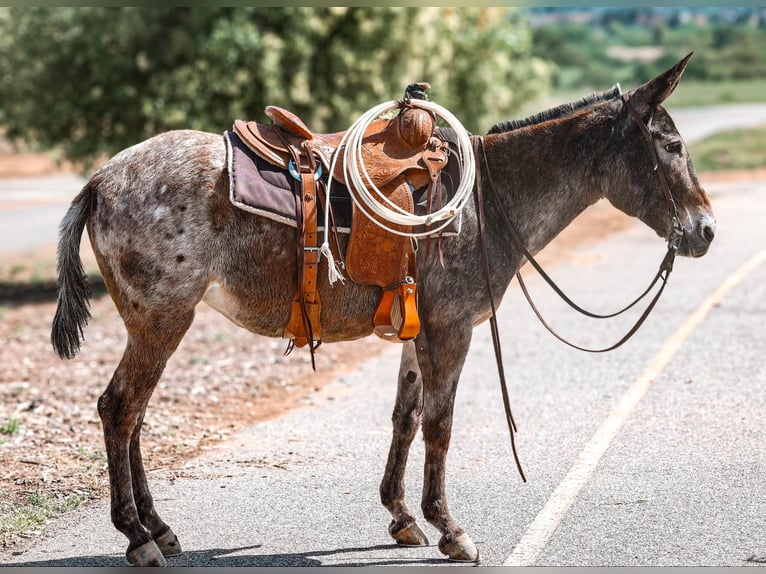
<point>545,176</point>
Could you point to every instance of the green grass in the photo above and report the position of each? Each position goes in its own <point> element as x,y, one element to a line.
<point>31,515</point>
<point>732,149</point>
<point>698,94</point>
<point>11,427</point>
<point>90,454</point>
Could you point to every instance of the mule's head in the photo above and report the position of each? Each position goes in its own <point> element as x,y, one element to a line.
<point>640,193</point>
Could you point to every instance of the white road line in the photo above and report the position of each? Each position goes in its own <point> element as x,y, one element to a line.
<point>547,521</point>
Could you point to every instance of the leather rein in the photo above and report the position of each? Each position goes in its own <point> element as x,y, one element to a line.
<point>665,268</point>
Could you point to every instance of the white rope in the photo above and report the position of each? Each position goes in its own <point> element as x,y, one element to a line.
<point>371,201</point>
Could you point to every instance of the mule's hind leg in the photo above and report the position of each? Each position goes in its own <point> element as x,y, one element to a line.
<point>163,536</point>
<point>406,421</point>
<point>441,355</point>
<point>121,409</point>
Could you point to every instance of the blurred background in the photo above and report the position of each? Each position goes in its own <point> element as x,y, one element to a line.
<point>87,82</point>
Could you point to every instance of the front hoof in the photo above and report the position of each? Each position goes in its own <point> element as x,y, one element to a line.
<point>407,534</point>
<point>168,544</point>
<point>460,549</point>
<point>148,554</point>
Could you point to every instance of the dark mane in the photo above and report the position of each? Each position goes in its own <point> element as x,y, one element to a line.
<point>558,111</point>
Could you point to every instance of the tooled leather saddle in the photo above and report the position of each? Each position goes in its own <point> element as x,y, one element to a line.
<point>401,154</point>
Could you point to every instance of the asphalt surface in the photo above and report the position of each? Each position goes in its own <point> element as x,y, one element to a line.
<point>681,484</point>
<point>31,209</point>
<point>697,123</point>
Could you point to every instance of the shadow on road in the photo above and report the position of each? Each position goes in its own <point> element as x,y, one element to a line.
<point>221,557</point>
<point>22,293</point>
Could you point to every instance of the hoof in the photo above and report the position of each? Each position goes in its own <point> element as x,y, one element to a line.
<point>459,549</point>
<point>168,544</point>
<point>407,534</point>
<point>147,554</point>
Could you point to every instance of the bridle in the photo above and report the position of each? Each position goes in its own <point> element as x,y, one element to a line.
<point>663,273</point>
<point>677,232</point>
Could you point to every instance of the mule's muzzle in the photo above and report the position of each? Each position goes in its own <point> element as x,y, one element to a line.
<point>698,236</point>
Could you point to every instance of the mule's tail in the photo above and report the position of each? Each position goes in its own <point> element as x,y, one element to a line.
<point>73,310</point>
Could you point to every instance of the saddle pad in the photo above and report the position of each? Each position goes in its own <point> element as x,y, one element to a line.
<point>259,187</point>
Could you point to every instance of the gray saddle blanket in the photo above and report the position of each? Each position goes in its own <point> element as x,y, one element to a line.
<point>259,187</point>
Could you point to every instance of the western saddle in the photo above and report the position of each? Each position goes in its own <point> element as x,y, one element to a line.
<point>400,155</point>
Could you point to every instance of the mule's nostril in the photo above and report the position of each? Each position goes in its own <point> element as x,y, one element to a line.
<point>708,232</point>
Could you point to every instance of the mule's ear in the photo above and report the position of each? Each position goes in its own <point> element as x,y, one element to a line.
<point>650,95</point>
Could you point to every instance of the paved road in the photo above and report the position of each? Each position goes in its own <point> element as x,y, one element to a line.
<point>698,123</point>
<point>31,208</point>
<point>681,483</point>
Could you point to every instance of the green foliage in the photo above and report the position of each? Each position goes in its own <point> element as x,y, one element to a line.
<point>96,80</point>
<point>631,46</point>
<point>480,65</point>
<point>732,149</point>
<point>733,53</point>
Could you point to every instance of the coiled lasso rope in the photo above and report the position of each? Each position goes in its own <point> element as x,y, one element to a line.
<point>370,200</point>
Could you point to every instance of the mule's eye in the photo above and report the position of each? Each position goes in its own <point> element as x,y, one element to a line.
<point>673,147</point>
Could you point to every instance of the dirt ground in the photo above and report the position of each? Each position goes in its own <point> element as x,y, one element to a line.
<point>221,378</point>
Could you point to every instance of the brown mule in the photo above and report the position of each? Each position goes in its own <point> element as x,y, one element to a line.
<point>166,237</point>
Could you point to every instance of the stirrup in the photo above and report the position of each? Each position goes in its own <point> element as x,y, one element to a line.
<point>396,318</point>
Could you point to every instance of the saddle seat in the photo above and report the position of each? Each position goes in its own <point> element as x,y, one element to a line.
<point>400,155</point>
<point>387,152</point>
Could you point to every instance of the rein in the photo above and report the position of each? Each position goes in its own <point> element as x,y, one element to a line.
<point>663,273</point>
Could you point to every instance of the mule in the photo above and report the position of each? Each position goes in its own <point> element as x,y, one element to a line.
<point>166,237</point>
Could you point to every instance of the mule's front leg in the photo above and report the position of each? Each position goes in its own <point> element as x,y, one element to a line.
<point>406,421</point>
<point>441,356</point>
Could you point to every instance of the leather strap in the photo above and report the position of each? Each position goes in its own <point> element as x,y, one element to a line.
<point>478,142</point>
<point>660,172</point>
<point>304,326</point>
<point>665,268</point>
<point>310,236</point>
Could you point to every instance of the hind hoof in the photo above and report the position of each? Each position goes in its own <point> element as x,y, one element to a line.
<point>147,554</point>
<point>407,534</point>
<point>459,549</point>
<point>168,544</point>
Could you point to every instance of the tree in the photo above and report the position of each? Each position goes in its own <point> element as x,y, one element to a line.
<point>95,80</point>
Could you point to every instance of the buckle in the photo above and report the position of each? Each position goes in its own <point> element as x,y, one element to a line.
<point>677,235</point>
<point>296,174</point>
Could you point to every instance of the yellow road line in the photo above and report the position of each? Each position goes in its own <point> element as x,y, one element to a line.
<point>547,521</point>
